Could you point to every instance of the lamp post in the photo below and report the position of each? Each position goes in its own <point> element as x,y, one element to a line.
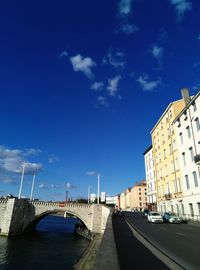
<point>98,187</point>
<point>22,179</point>
<point>32,187</point>
<point>89,194</point>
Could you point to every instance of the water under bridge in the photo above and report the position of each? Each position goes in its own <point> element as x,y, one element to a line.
<point>19,215</point>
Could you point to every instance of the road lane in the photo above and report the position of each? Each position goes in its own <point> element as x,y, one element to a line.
<point>180,241</point>
<point>131,253</point>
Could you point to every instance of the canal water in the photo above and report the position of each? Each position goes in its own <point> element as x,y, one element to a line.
<point>54,246</point>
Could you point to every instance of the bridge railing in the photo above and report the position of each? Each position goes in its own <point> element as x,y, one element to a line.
<point>3,201</point>
<point>61,204</point>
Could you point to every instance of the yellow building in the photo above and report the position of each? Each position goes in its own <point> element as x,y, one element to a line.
<point>139,196</point>
<point>168,175</point>
<point>123,200</point>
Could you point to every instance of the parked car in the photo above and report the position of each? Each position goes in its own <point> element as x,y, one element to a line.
<point>154,217</point>
<point>171,218</point>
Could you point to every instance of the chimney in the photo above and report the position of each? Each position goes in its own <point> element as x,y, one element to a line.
<point>185,95</point>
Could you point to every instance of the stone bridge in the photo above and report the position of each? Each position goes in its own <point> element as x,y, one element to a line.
<point>19,215</point>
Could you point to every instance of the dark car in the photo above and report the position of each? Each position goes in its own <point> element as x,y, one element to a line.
<point>145,213</point>
<point>171,218</point>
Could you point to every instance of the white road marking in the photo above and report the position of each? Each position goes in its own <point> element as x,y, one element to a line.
<point>182,234</point>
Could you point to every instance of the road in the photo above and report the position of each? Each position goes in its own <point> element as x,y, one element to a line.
<point>181,242</point>
<point>131,253</point>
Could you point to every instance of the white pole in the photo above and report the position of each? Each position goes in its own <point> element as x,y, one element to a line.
<point>88,194</point>
<point>22,179</point>
<point>33,183</point>
<point>98,188</point>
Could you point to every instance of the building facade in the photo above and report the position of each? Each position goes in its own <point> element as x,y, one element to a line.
<point>139,196</point>
<point>150,179</point>
<point>187,125</point>
<point>166,159</point>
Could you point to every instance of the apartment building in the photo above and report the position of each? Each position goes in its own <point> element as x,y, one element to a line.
<point>150,179</point>
<point>187,125</point>
<point>139,196</point>
<point>166,158</point>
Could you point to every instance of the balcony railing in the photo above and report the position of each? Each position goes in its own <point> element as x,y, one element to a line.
<point>168,196</point>
<point>197,159</point>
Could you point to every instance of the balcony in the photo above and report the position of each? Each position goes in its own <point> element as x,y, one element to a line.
<point>197,159</point>
<point>168,196</point>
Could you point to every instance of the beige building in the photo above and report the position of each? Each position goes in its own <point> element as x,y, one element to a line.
<point>166,158</point>
<point>123,200</point>
<point>139,196</point>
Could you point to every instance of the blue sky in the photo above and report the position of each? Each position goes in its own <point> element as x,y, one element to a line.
<point>83,83</point>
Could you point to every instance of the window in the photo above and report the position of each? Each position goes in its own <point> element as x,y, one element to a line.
<point>191,153</point>
<point>194,106</point>
<point>182,209</point>
<point>176,164</point>
<point>164,153</point>
<point>181,137</point>
<point>166,170</point>
<point>172,208</point>
<point>188,131</point>
<point>179,185</point>
<point>195,179</point>
<point>198,204</point>
<point>172,166</point>
<point>170,114</point>
<point>183,158</point>
<point>174,144</point>
<point>170,148</point>
<point>197,124</point>
<point>187,181</point>
<point>175,186</point>
<point>191,209</point>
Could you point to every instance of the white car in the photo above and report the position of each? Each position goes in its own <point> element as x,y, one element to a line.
<point>154,217</point>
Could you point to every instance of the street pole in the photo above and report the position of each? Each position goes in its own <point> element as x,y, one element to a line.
<point>98,188</point>
<point>88,194</point>
<point>66,195</point>
<point>22,179</point>
<point>32,188</point>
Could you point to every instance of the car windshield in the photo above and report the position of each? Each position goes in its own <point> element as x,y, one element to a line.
<point>155,214</point>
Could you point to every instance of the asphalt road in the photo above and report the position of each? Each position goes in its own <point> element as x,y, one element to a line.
<point>131,253</point>
<point>181,242</point>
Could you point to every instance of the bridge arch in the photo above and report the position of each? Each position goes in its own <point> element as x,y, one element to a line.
<point>39,217</point>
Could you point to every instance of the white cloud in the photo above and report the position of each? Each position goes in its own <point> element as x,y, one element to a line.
<point>70,186</point>
<point>113,85</point>
<point>97,86</point>
<point>146,84</point>
<point>84,65</point>
<point>7,179</point>
<point>129,28</point>
<point>52,159</point>
<point>157,52</point>
<point>91,173</point>
<point>181,6</point>
<point>63,54</point>
<point>11,160</point>
<point>43,186</point>
<point>125,7</point>
<point>103,101</point>
<point>54,186</point>
<point>114,58</point>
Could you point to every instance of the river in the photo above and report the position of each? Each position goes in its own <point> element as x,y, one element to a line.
<point>54,246</point>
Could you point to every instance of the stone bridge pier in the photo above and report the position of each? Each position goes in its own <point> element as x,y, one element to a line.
<point>18,215</point>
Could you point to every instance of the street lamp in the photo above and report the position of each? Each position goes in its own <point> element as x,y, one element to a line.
<point>89,194</point>
<point>32,187</point>
<point>22,179</point>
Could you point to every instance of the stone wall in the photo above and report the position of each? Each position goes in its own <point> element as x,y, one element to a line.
<point>18,214</point>
<point>2,211</point>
